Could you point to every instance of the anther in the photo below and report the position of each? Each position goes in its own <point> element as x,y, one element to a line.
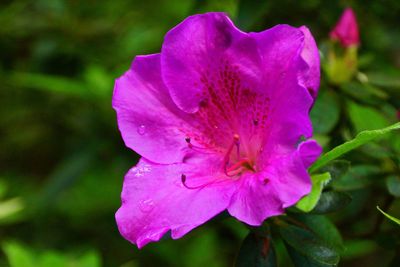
<point>235,142</point>
<point>187,139</point>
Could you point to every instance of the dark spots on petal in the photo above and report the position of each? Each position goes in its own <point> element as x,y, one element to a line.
<point>223,37</point>
<point>265,181</point>
<point>203,103</point>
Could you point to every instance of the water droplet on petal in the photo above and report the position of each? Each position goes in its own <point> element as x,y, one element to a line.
<point>146,205</point>
<point>141,129</point>
<point>139,171</point>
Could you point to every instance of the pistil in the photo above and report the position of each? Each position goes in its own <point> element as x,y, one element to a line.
<point>241,165</point>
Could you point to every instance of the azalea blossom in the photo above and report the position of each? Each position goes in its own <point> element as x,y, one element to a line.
<point>221,120</point>
<point>346,30</point>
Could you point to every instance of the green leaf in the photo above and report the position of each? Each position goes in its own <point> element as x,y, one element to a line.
<point>322,227</point>
<point>331,201</point>
<point>51,259</point>
<point>308,246</point>
<point>308,202</point>
<point>357,91</point>
<point>91,259</point>
<point>299,260</point>
<point>393,185</point>
<point>362,138</point>
<point>325,112</point>
<point>50,83</point>
<point>256,251</point>
<point>389,216</point>
<point>384,80</point>
<point>357,177</point>
<point>19,256</point>
<point>366,118</point>
<point>357,248</point>
<point>337,169</point>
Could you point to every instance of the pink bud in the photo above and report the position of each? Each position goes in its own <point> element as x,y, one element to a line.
<point>346,30</point>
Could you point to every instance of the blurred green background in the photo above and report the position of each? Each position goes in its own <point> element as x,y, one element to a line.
<point>62,160</point>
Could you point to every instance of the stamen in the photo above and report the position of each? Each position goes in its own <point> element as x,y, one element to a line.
<point>229,151</point>
<point>195,148</point>
<point>241,165</point>
<point>184,179</point>
<point>238,167</point>
<point>237,143</point>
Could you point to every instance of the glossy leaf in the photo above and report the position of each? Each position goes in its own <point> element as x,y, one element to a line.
<point>300,260</point>
<point>312,249</point>
<point>256,251</point>
<point>361,139</point>
<point>308,202</point>
<point>331,201</point>
<point>337,168</point>
<point>357,177</point>
<point>322,227</point>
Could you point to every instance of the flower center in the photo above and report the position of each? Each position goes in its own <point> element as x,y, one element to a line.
<point>234,162</point>
<point>234,165</point>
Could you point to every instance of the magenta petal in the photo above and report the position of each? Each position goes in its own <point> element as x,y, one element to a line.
<point>292,180</point>
<point>282,184</point>
<point>148,119</point>
<point>199,48</point>
<point>255,201</point>
<point>285,64</point>
<point>310,77</point>
<point>346,30</point>
<point>155,201</point>
<point>309,151</point>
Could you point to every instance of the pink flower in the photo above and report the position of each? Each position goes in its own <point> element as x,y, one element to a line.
<point>346,30</point>
<point>217,117</point>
